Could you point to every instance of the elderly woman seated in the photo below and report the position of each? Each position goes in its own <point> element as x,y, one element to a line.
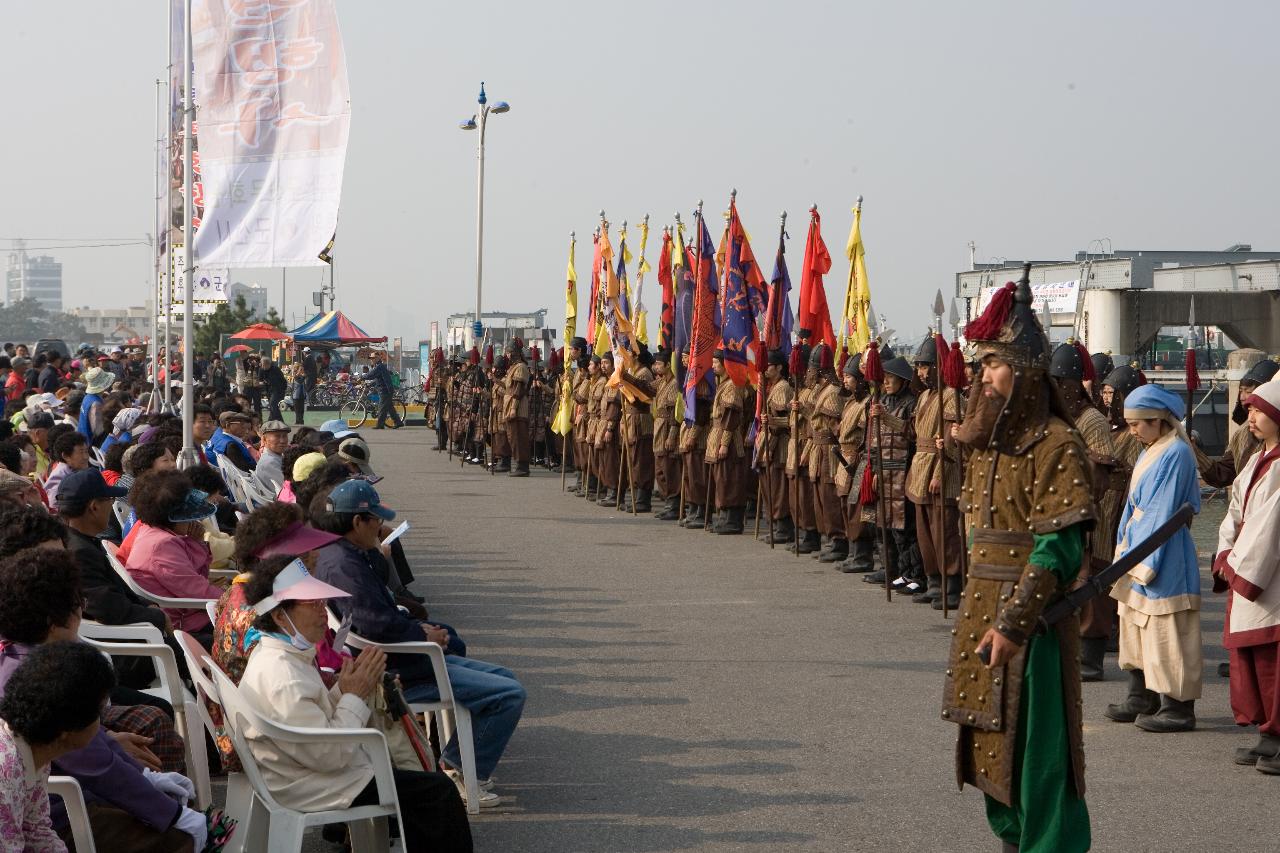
<point>131,806</point>
<point>167,554</point>
<point>50,709</point>
<point>281,683</point>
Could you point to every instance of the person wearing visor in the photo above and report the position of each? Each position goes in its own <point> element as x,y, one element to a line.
<point>281,683</point>
<point>168,555</point>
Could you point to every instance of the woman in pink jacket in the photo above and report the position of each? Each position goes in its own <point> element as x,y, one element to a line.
<point>168,555</point>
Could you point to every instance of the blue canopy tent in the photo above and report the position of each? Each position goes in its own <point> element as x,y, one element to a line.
<point>334,329</point>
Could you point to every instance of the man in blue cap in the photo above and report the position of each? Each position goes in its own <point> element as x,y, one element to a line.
<point>355,564</point>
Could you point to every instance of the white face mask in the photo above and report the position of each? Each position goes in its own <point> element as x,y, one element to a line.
<point>298,641</point>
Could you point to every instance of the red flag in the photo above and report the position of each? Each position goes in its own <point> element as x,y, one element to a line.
<point>1193,374</point>
<point>814,314</point>
<point>592,318</point>
<point>668,319</point>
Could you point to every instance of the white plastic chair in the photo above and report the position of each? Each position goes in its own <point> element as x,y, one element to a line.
<point>97,457</point>
<point>449,713</point>
<point>275,828</point>
<point>138,632</point>
<point>185,710</point>
<point>77,813</point>
<point>239,792</point>
<point>121,511</point>
<point>113,557</point>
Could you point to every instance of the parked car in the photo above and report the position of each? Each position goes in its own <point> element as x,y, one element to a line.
<point>51,345</point>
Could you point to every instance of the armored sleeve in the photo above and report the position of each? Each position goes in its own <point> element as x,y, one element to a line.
<point>1062,489</point>
<point>1055,560</point>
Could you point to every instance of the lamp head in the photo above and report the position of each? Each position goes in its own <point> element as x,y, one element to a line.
<point>467,124</point>
<point>500,107</point>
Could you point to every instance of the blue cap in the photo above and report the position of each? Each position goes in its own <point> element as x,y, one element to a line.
<point>356,497</point>
<point>337,427</point>
<point>195,507</point>
<point>80,487</point>
<point>1152,397</point>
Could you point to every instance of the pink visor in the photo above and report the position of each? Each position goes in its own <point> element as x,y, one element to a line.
<point>294,541</point>
<point>295,583</point>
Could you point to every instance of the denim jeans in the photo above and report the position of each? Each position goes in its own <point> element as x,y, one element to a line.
<point>495,700</point>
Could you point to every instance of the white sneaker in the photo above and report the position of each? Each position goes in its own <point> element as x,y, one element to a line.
<point>488,799</point>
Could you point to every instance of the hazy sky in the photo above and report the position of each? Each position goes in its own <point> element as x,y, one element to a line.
<point>1030,128</point>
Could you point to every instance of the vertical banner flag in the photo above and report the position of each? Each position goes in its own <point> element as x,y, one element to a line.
<point>742,301</point>
<point>275,112</point>
<point>640,317</point>
<point>814,314</point>
<point>667,319</point>
<point>593,313</point>
<point>855,329</point>
<point>704,330</point>
<point>571,298</point>
<point>779,319</point>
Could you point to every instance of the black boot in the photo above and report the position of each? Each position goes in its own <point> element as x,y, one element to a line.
<point>1224,670</point>
<point>931,593</point>
<point>504,465</point>
<point>781,532</point>
<point>836,550</point>
<point>671,511</point>
<point>1268,746</point>
<point>808,541</point>
<point>609,497</point>
<point>861,556</point>
<point>1174,716</point>
<point>644,500</point>
<point>729,522</point>
<point>521,470</point>
<point>694,516</point>
<point>576,489</point>
<point>876,577</point>
<point>953,595</point>
<point>1092,651</point>
<point>1139,701</point>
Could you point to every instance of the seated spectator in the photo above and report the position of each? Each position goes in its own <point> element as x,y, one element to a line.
<point>70,453</point>
<point>113,463</point>
<point>275,441</point>
<point>207,479</point>
<point>145,457</point>
<point>130,804</point>
<point>303,467</point>
<point>229,440</point>
<point>281,683</point>
<point>122,426</point>
<point>356,565</point>
<point>50,709</point>
<point>168,555</point>
<point>23,527</point>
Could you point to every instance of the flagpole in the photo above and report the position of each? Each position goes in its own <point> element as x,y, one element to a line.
<point>160,184</point>
<point>166,298</point>
<point>189,456</point>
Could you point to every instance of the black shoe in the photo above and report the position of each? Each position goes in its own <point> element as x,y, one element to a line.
<point>609,498</point>
<point>953,599</point>
<point>1224,670</point>
<point>876,577</point>
<point>694,517</point>
<point>671,512</point>
<point>781,532</point>
<point>1268,746</point>
<point>808,541</point>
<point>729,523</point>
<point>1092,651</point>
<point>1139,701</point>
<point>644,500</point>
<point>1173,716</point>
<point>931,593</point>
<point>519,472</point>
<point>835,551</point>
<point>854,566</point>
<point>503,467</point>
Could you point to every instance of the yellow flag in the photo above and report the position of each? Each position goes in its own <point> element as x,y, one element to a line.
<point>571,301</point>
<point>855,331</point>
<point>642,327</point>
<point>563,422</point>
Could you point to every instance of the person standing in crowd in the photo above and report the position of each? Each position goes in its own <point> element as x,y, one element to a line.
<point>515,408</point>
<point>852,438</point>
<point>1247,569</point>
<point>725,452</point>
<point>891,437</point>
<point>247,383</point>
<point>380,376</point>
<point>51,374</point>
<point>91,425</point>
<point>1027,492</point>
<point>824,424</point>
<point>15,384</point>
<point>298,394</point>
<point>771,448</point>
<point>580,389</point>
<point>637,434</point>
<point>276,387</point>
<point>807,538</point>
<point>693,451</point>
<point>1159,598</point>
<point>1221,472</point>
<point>933,483</point>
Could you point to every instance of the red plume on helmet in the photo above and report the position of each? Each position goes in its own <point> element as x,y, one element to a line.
<point>953,374</point>
<point>474,356</point>
<point>828,358</point>
<point>535,354</point>
<point>988,326</point>
<point>488,356</point>
<point>1086,360</point>
<point>872,369</point>
<point>947,364</point>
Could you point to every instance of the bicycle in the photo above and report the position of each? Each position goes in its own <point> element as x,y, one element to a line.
<point>365,401</point>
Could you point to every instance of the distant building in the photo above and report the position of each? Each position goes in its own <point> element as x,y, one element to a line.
<point>255,297</point>
<point>36,277</point>
<point>116,325</point>
<point>500,326</point>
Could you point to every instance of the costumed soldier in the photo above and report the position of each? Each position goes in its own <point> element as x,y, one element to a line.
<point>542,402</point>
<point>1072,368</point>
<point>478,422</point>
<point>852,438</point>
<point>499,443</point>
<point>579,386</point>
<point>591,427</point>
<point>439,382</point>
<point>1221,472</point>
<point>1027,490</point>
<point>892,442</point>
<point>666,437</point>
<point>933,491</point>
<point>1120,383</point>
<point>637,433</point>
<point>608,437</point>
<point>1103,364</point>
<point>693,449</point>
<point>771,448</point>
<point>824,422</point>
<point>802,510</point>
<point>515,409</point>
<point>725,452</point>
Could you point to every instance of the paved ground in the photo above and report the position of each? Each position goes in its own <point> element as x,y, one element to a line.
<point>694,692</point>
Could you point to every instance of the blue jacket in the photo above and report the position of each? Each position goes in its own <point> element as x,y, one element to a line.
<point>1168,581</point>
<point>373,610</point>
<point>381,377</point>
<point>218,444</point>
<point>84,428</point>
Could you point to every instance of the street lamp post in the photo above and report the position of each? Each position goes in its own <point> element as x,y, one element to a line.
<point>477,328</point>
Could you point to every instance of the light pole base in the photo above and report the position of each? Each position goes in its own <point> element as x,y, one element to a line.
<point>188,457</point>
